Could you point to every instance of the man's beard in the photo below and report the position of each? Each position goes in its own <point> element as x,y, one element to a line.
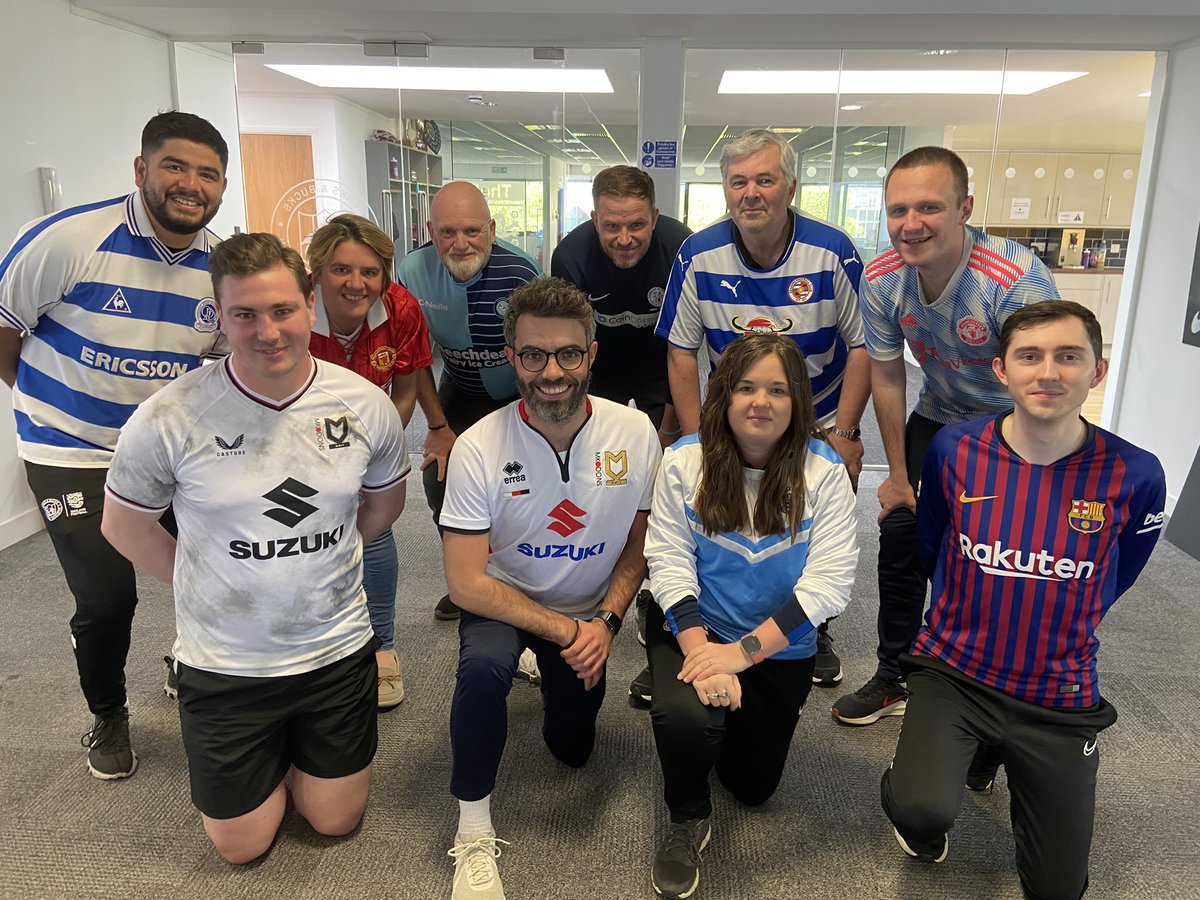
<point>466,269</point>
<point>159,207</point>
<point>556,412</point>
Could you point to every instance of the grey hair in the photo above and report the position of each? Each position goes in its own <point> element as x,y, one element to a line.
<point>752,141</point>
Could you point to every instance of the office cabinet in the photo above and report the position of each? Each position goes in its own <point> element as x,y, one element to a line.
<point>1028,187</point>
<point>1119,188</point>
<point>401,181</point>
<point>1038,189</point>
<point>1079,189</point>
<point>1100,292</point>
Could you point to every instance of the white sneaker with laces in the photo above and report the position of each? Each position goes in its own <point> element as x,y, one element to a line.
<point>527,668</point>
<point>476,875</point>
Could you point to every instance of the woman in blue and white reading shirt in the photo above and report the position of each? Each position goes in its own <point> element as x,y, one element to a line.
<point>751,546</point>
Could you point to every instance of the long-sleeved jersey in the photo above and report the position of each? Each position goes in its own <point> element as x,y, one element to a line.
<point>1026,559</point>
<point>742,579</point>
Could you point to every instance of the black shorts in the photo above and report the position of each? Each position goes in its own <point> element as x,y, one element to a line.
<point>242,734</point>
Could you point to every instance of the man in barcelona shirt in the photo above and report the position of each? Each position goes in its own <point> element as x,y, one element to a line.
<point>944,289</point>
<point>1032,523</point>
<point>279,468</point>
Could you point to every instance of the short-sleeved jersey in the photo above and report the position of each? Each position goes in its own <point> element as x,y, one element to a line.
<point>741,579</point>
<point>1026,559</point>
<point>810,295</point>
<point>556,523</point>
<point>394,339</point>
<point>956,337</point>
<point>110,314</point>
<point>467,320</point>
<point>626,301</point>
<point>268,565</point>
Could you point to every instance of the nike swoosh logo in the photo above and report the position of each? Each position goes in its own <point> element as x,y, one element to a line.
<point>963,498</point>
<point>1089,749</point>
<point>1196,323</point>
<point>592,299</point>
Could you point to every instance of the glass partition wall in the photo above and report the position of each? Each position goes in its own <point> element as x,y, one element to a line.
<point>338,128</point>
<point>1051,139</point>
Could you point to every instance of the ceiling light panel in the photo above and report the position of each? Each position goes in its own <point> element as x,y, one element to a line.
<point>894,81</point>
<point>446,78</point>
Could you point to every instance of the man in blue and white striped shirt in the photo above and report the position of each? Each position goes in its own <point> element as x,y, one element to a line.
<point>100,306</point>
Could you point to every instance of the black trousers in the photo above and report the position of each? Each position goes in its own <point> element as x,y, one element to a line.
<point>748,747</point>
<point>902,581</point>
<point>487,660</point>
<point>1051,757</point>
<point>101,579</point>
<point>461,412</point>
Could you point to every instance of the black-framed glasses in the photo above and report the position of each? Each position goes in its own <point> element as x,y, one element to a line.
<point>534,360</point>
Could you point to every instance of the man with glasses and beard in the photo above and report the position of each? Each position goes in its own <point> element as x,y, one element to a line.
<point>543,526</point>
<point>100,306</point>
<point>462,280</point>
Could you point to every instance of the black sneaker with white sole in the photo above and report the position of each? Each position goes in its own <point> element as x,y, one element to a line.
<point>935,852</point>
<point>676,872</point>
<point>641,690</point>
<point>171,684</point>
<point>828,669</point>
<point>877,698</point>
<point>110,755</point>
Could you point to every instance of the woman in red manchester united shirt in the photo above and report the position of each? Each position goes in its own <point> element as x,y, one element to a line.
<point>373,326</point>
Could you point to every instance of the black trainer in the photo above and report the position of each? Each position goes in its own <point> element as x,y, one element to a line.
<point>446,610</point>
<point>171,684</point>
<point>982,773</point>
<point>828,669</point>
<point>936,852</point>
<point>109,754</point>
<point>877,698</point>
<point>640,691</point>
<point>676,872</point>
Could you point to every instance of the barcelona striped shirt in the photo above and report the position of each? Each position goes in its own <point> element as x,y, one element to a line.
<point>1025,559</point>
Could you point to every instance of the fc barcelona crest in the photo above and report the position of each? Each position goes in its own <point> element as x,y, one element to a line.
<point>1086,516</point>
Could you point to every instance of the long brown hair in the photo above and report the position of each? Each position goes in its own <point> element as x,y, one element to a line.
<point>721,498</point>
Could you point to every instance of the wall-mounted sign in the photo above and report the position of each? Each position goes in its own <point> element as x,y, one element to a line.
<point>1019,208</point>
<point>1073,217</point>
<point>660,154</point>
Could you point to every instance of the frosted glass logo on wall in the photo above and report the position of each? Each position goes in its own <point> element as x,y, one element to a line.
<point>309,204</point>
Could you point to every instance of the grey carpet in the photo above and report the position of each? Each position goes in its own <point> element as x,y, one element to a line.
<point>574,833</point>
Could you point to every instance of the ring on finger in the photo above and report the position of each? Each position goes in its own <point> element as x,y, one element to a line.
<point>724,694</point>
<point>714,696</point>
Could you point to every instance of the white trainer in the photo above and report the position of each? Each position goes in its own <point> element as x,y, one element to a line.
<point>527,668</point>
<point>476,875</point>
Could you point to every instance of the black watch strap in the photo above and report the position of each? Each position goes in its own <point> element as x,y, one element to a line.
<point>610,619</point>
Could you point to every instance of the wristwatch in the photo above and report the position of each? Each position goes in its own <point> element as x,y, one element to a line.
<point>751,646</point>
<point>850,434</point>
<point>611,619</point>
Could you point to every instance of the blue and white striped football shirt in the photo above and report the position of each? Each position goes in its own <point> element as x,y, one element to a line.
<point>110,315</point>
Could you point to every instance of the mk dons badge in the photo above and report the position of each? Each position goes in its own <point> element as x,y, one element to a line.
<point>1086,516</point>
<point>616,467</point>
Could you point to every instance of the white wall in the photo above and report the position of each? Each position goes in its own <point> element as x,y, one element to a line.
<point>338,130</point>
<point>76,95</point>
<point>204,85</point>
<point>1158,407</point>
